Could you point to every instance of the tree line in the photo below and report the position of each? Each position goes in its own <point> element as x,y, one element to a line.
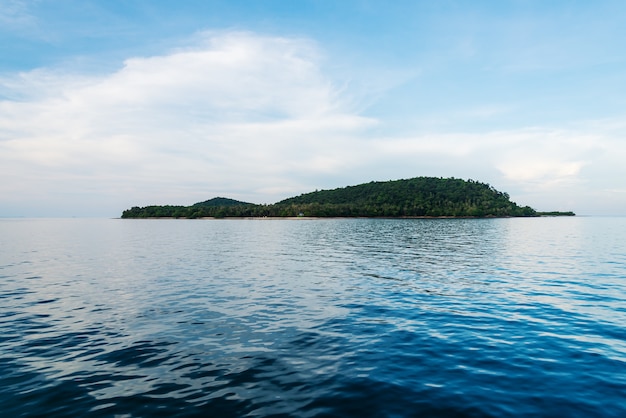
<point>416,197</point>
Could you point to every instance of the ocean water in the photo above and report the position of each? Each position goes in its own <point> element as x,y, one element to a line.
<point>313,318</point>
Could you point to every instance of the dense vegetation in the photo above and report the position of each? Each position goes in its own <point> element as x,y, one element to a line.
<point>556,213</point>
<point>220,201</point>
<point>421,196</point>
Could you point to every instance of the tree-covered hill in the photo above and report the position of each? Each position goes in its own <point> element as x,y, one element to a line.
<point>220,201</point>
<point>420,196</point>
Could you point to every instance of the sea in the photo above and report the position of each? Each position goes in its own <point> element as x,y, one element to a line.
<point>313,318</point>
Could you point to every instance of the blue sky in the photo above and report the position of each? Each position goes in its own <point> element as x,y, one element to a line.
<point>106,105</point>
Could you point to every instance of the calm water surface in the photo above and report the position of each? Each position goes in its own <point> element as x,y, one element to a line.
<point>353,317</point>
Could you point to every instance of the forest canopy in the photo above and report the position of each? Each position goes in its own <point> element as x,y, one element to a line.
<point>416,197</point>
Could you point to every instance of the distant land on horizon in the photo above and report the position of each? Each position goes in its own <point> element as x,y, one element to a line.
<point>430,197</point>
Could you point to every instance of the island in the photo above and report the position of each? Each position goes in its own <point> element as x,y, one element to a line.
<point>419,197</point>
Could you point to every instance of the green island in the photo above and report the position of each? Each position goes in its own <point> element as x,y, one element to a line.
<point>429,197</point>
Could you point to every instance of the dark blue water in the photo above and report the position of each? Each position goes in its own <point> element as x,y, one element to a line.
<point>363,318</point>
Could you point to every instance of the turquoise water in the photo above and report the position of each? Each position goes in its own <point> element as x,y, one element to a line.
<point>307,318</point>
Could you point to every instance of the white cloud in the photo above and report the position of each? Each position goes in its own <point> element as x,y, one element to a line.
<point>254,118</point>
<point>540,168</point>
<point>545,155</point>
<point>235,112</point>
<point>14,14</point>
<point>548,156</point>
<point>547,168</point>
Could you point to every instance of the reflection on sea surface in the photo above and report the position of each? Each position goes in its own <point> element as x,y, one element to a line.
<point>353,317</point>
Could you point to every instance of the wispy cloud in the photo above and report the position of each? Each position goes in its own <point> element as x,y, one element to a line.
<point>256,118</point>
<point>14,14</point>
<point>527,155</point>
<point>234,109</point>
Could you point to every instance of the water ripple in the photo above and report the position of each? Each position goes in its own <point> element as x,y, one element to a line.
<point>470,318</point>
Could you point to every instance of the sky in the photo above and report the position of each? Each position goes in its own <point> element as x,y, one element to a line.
<point>109,104</point>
